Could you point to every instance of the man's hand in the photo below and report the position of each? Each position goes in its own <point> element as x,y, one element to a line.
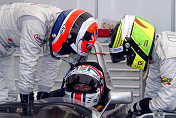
<point>139,108</point>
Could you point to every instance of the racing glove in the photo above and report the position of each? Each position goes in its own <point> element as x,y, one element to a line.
<point>42,95</point>
<point>26,103</point>
<point>27,98</point>
<point>139,108</point>
<point>58,93</point>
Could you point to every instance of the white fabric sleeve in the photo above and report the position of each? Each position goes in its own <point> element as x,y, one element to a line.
<point>48,74</point>
<point>32,32</point>
<point>153,83</point>
<point>167,93</point>
<point>162,77</point>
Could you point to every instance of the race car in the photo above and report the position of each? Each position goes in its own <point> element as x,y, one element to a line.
<point>56,107</point>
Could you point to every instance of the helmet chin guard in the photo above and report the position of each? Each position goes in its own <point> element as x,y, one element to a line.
<point>85,99</point>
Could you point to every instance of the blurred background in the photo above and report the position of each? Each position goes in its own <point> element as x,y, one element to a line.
<point>161,13</point>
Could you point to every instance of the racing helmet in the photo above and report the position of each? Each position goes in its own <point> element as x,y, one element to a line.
<point>132,38</point>
<point>85,73</point>
<point>74,31</point>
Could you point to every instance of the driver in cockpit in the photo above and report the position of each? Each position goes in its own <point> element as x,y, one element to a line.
<point>85,85</point>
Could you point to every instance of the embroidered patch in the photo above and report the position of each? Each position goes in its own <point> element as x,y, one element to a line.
<point>10,42</point>
<point>38,39</point>
<point>82,68</point>
<point>166,80</point>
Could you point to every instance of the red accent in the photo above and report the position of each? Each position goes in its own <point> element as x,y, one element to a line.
<point>102,57</point>
<point>167,83</point>
<point>139,62</point>
<point>78,98</point>
<point>10,40</point>
<point>137,21</point>
<point>84,43</point>
<point>70,21</point>
<point>33,4</point>
<point>99,107</point>
<point>104,32</point>
<point>102,88</point>
<point>149,61</point>
<point>92,29</point>
<point>54,113</point>
<point>101,76</point>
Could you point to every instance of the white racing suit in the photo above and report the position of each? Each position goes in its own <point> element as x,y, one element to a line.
<point>161,81</point>
<point>27,26</point>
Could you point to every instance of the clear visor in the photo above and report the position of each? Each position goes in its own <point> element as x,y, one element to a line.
<point>82,79</point>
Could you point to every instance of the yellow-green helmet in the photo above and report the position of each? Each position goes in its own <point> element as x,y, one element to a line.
<point>132,37</point>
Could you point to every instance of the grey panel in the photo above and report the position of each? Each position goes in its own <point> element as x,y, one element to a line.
<point>158,12</point>
<point>9,1</point>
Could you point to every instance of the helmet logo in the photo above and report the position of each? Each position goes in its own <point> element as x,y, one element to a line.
<point>140,62</point>
<point>62,30</point>
<point>145,43</point>
<point>37,38</point>
<point>83,68</point>
<point>91,41</point>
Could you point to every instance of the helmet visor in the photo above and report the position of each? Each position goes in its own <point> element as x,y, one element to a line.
<point>81,79</point>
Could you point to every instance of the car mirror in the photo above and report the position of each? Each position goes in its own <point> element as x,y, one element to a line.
<point>120,97</point>
<point>116,97</point>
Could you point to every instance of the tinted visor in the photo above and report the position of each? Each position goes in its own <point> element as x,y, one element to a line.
<point>83,79</point>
